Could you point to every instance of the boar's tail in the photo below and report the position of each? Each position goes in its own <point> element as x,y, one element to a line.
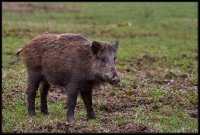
<point>16,54</point>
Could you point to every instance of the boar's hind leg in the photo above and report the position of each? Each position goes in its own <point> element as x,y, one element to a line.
<point>43,95</point>
<point>87,99</point>
<point>34,79</point>
<point>72,94</point>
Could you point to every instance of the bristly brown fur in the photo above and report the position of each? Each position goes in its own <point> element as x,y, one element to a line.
<point>66,60</point>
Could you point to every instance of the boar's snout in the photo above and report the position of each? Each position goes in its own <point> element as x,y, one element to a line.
<point>112,77</point>
<point>115,80</point>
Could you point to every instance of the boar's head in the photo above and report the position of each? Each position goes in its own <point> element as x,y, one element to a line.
<point>104,62</point>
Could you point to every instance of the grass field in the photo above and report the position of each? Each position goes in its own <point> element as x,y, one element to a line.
<point>157,64</point>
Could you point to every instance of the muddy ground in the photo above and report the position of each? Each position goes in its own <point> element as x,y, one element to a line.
<point>30,7</point>
<point>122,98</point>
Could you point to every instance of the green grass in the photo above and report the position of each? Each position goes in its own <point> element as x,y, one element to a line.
<point>178,121</point>
<point>164,31</point>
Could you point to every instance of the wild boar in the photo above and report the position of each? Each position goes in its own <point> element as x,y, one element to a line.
<point>70,61</point>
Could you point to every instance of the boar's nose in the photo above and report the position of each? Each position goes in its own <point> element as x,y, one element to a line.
<point>115,80</point>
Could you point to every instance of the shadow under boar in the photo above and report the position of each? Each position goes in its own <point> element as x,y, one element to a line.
<point>70,61</point>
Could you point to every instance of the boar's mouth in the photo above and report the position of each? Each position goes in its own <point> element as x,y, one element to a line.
<point>112,82</point>
<point>107,80</point>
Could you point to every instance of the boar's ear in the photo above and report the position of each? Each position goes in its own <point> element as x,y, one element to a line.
<point>117,44</point>
<point>96,46</point>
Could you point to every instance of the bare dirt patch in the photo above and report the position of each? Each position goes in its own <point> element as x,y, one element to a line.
<point>111,32</point>
<point>193,113</point>
<point>44,127</point>
<point>149,72</point>
<point>135,128</point>
<point>23,32</point>
<point>134,35</point>
<point>55,94</point>
<point>30,7</point>
<point>116,107</point>
<point>18,33</point>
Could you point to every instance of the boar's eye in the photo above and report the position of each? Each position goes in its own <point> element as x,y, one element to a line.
<point>103,59</point>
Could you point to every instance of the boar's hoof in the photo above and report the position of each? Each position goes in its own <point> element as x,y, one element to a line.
<point>70,119</point>
<point>91,117</point>
<point>45,113</point>
<point>31,114</point>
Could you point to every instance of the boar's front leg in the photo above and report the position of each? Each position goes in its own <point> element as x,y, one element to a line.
<point>87,99</point>
<point>71,100</point>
